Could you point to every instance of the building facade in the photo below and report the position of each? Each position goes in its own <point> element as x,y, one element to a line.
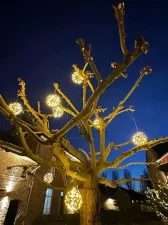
<point>24,198</point>
<point>157,171</point>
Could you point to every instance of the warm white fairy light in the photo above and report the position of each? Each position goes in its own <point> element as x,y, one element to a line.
<point>53,100</point>
<point>57,112</point>
<point>48,178</point>
<point>4,204</point>
<point>139,138</point>
<point>96,123</point>
<point>157,199</point>
<point>77,78</point>
<point>16,108</point>
<point>73,200</point>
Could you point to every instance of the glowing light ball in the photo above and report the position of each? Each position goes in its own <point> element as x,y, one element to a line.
<point>77,78</point>
<point>73,200</point>
<point>16,108</point>
<point>57,112</point>
<point>53,100</point>
<point>48,178</point>
<point>139,138</point>
<point>96,123</point>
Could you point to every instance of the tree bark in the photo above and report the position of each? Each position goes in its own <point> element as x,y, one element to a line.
<point>90,210</point>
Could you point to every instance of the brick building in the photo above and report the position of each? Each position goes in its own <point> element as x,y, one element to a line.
<point>24,199</point>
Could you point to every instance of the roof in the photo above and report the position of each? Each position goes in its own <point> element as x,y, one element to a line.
<point>163,167</point>
<point>111,191</point>
<point>161,149</point>
<point>9,136</point>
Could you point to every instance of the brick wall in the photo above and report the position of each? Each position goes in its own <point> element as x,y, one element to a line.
<point>29,191</point>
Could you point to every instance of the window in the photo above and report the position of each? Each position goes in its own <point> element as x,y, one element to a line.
<point>62,193</point>
<point>47,203</point>
<point>53,168</point>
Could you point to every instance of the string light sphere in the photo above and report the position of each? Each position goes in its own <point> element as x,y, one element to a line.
<point>57,112</point>
<point>96,123</point>
<point>77,78</point>
<point>139,138</point>
<point>48,178</point>
<point>53,100</point>
<point>73,200</point>
<point>16,108</point>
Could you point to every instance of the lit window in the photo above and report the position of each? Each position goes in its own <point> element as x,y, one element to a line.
<point>62,193</point>
<point>47,203</point>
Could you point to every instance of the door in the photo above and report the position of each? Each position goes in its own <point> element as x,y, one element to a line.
<point>12,211</point>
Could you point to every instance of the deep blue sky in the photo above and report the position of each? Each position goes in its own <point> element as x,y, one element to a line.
<point>37,43</point>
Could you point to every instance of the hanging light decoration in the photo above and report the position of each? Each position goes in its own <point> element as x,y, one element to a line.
<point>57,112</point>
<point>48,178</point>
<point>73,200</point>
<point>53,100</point>
<point>77,78</point>
<point>96,123</point>
<point>16,108</point>
<point>139,138</point>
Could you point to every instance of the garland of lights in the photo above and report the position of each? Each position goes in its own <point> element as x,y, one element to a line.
<point>73,200</point>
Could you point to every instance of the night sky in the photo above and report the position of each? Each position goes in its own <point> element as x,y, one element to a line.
<point>38,44</point>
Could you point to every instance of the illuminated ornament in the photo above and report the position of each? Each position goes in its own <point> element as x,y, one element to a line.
<point>16,108</point>
<point>96,123</point>
<point>57,112</point>
<point>48,178</point>
<point>77,78</point>
<point>139,138</point>
<point>53,100</point>
<point>73,200</point>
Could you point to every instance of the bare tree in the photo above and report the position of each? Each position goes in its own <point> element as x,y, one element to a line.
<point>91,163</point>
<point>144,185</point>
<point>114,175</point>
<point>127,175</point>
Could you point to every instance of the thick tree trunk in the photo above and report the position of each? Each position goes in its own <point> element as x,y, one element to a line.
<point>90,210</point>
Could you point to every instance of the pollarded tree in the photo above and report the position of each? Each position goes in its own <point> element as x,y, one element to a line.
<point>86,171</point>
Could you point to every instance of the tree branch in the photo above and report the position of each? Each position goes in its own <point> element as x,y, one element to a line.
<point>85,153</point>
<point>92,148</point>
<point>22,94</point>
<point>117,110</point>
<point>34,157</point>
<point>119,13</point>
<point>103,180</point>
<point>134,150</point>
<point>102,139</point>
<point>59,152</point>
<point>116,147</point>
<point>135,163</point>
<point>65,97</point>
<point>73,151</point>
<point>84,93</point>
<point>43,182</point>
<point>15,121</point>
<point>11,148</point>
<point>88,58</point>
<point>141,48</point>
